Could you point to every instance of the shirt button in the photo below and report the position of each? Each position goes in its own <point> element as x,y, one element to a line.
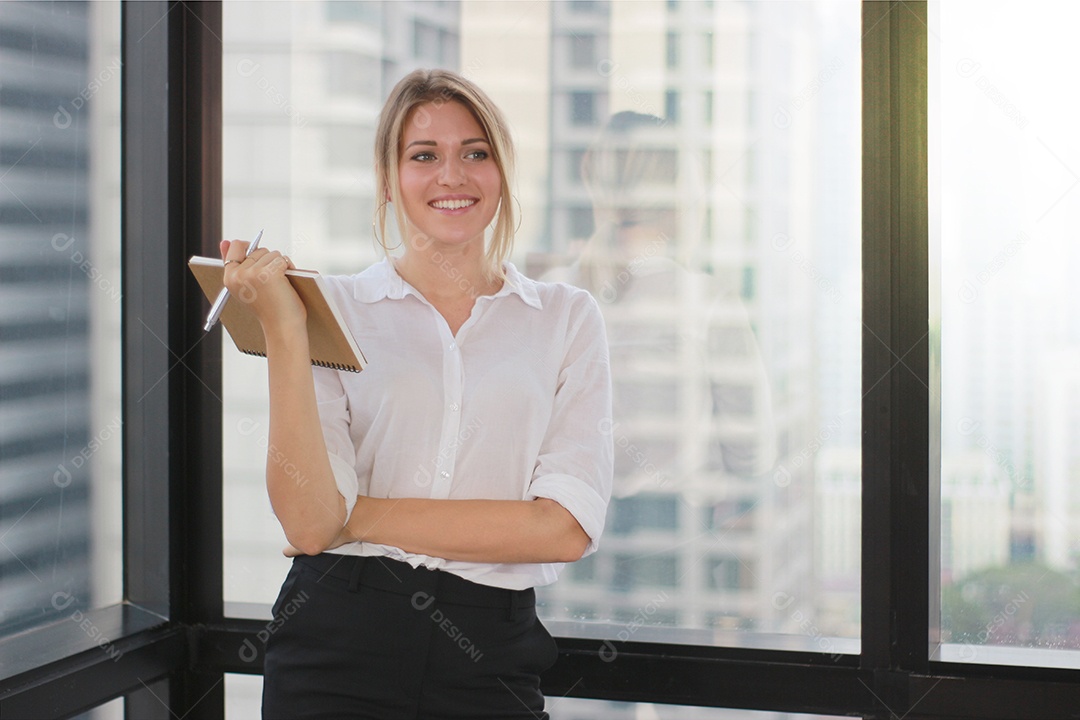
<point>453,346</point>
<point>444,474</point>
<point>454,407</point>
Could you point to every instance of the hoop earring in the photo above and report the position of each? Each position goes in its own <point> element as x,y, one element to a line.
<point>518,226</point>
<point>375,228</point>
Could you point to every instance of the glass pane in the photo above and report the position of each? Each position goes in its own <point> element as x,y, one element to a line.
<point>112,710</point>
<point>243,696</point>
<point>716,243</point>
<point>60,410</point>
<point>712,209</point>
<point>1010,340</point>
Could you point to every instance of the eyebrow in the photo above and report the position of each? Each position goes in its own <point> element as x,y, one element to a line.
<point>432,143</point>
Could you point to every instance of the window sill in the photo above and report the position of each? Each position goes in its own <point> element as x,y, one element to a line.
<point>96,654</point>
<point>1007,656</point>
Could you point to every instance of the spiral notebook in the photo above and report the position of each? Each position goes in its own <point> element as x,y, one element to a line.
<point>332,345</point>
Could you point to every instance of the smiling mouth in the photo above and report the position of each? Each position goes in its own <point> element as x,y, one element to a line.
<point>451,204</point>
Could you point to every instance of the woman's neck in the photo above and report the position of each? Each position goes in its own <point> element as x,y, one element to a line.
<point>446,274</point>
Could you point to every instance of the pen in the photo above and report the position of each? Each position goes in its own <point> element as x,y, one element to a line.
<point>223,296</point>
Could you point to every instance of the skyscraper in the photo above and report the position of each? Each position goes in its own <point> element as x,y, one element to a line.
<point>46,280</point>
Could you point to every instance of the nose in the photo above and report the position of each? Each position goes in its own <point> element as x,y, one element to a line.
<point>452,172</point>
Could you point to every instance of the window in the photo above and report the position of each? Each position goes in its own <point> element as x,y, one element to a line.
<point>60,412</point>
<point>425,40</point>
<point>645,640</point>
<point>671,50</point>
<point>697,360</point>
<point>450,53</point>
<point>644,512</point>
<point>354,11</point>
<point>582,108</point>
<point>580,222</point>
<point>645,572</point>
<point>726,574</point>
<point>584,6</point>
<point>1010,357</point>
<point>671,106</point>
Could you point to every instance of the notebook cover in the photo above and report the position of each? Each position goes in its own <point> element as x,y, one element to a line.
<point>331,342</point>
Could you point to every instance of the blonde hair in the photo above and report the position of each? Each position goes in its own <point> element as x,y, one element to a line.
<point>438,87</point>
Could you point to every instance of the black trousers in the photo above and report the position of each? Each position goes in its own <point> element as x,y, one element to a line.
<point>357,638</point>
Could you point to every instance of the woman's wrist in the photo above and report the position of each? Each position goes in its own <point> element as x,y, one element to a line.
<point>286,333</point>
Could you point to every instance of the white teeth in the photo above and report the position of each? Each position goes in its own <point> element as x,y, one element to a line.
<point>451,204</point>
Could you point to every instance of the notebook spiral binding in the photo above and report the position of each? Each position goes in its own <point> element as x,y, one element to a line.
<point>336,366</point>
<point>320,363</point>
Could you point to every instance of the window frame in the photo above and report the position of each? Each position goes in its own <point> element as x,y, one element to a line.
<point>177,640</point>
<point>172,558</point>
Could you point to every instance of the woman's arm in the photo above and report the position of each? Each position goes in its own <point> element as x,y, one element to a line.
<point>561,515</point>
<point>299,478</point>
<point>488,531</point>
<point>563,512</point>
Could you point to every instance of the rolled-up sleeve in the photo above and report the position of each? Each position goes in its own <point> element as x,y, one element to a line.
<point>575,464</point>
<point>334,417</point>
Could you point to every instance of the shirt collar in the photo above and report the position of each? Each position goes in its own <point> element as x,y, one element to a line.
<point>518,284</point>
<point>382,282</point>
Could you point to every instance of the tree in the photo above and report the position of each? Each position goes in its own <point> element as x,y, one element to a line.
<point>1022,604</point>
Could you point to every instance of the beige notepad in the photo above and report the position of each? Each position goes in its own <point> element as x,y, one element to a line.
<point>332,345</point>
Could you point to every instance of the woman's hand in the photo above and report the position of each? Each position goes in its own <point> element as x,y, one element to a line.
<point>259,281</point>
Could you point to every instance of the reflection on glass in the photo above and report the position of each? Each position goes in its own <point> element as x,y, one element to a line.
<point>692,418</point>
<point>724,256</point>
<point>1010,339</point>
<point>60,419</point>
<point>695,166</point>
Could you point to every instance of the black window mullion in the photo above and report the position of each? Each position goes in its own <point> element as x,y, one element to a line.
<point>171,140</point>
<point>898,554</point>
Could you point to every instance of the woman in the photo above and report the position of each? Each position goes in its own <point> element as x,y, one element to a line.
<point>426,496</point>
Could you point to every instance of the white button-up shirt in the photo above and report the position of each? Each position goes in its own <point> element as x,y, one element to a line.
<point>516,406</point>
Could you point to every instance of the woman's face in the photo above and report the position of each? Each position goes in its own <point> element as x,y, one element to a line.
<point>450,184</point>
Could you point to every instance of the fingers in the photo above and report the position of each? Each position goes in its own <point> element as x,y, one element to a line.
<point>261,259</point>
<point>234,250</point>
<point>268,260</point>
